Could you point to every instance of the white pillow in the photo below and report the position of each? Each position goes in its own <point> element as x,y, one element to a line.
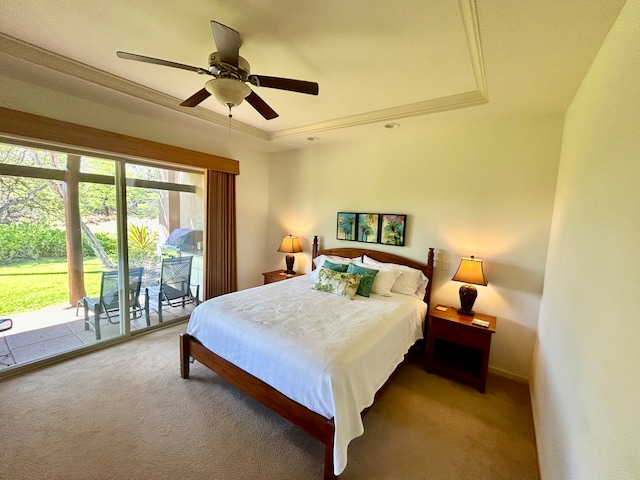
<point>422,289</point>
<point>368,260</point>
<point>384,280</point>
<point>411,281</point>
<point>319,261</point>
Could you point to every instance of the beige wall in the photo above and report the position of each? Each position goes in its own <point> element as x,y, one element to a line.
<point>586,384</point>
<point>469,187</point>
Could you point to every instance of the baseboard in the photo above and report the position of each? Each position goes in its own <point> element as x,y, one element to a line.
<point>508,375</point>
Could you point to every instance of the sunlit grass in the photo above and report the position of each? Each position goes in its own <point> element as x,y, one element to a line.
<point>30,286</point>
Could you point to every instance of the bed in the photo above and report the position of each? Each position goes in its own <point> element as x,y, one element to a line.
<point>324,387</point>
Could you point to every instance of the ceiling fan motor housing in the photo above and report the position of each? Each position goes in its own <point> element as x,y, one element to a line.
<point>220,69</point>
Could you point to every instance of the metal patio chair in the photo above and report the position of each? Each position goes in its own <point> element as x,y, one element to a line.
<point>108,301</point>
<point>175,285</point>
<point>5,324</point>
<point>6,359</point>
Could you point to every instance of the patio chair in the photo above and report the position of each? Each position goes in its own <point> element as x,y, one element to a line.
<point>108,301</point>
<point>5,324</point>
<point>6,359</point>
<point>175,285</point>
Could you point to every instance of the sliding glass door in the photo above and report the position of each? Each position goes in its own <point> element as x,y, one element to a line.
<point>82,248</point>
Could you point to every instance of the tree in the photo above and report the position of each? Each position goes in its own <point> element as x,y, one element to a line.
<point>71,206</point>
<point>26,199</point>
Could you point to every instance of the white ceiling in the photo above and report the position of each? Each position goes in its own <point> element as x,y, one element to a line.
<point>375,61</point>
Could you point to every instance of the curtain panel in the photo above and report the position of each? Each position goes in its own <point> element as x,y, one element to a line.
<point>221,258</point>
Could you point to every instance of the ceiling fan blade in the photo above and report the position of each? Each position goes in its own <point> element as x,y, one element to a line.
<point>300,86</point>
<point>261,106</point>
<point>196,98</point>
<point>227,42</point>
<point>157,61</point>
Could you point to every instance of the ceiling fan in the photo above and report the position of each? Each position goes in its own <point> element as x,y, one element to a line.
<point>230,74</point>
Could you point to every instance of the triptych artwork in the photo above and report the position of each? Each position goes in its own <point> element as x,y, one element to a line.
<point>384,228</point>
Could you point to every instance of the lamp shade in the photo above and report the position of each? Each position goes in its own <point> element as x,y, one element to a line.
<point>228,91</point>
<point>290,244</point>
<point>470,271</point>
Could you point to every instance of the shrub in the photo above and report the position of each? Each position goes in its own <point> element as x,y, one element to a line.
<point>31,241</point>
<point>34,241</point>
<point>109,244</point>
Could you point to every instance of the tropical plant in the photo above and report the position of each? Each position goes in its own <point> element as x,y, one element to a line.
<point>142,236</point>
<point>142,245</point>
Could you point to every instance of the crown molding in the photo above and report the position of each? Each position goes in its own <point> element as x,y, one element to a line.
<point>47,59</point>
<point>469,16</point>
<point>468,11</point>
<point>442,104</point>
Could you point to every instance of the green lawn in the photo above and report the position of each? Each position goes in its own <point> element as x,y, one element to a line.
<point>30,286</point>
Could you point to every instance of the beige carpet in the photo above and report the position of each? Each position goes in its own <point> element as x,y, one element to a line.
<point>125,413</point>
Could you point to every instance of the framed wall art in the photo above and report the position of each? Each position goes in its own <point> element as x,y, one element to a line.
<point>368,227</point>
<point>392,229</point>
<point>346,226</point>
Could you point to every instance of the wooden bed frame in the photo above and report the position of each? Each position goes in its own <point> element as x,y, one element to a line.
<point>313,423</point>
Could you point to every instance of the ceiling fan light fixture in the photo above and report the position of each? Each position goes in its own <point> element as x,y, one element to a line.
<point>228,91</point>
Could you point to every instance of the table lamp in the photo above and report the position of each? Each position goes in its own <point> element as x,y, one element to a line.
<point>290,245</point>
<point>470,272</point>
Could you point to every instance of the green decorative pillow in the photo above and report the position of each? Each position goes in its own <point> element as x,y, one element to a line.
<point>339,283</point>
<point>368,275</point>
<point>336,267</point>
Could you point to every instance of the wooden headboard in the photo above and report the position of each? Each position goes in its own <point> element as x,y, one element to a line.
<point>385,257</point>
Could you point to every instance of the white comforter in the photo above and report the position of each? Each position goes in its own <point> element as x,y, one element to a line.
<point>324,351</point>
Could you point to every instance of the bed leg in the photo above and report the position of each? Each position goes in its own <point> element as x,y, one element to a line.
<point>328,461</point>
<point>184,355</point>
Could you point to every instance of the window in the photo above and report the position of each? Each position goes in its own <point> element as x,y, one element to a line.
<point>70,226</point>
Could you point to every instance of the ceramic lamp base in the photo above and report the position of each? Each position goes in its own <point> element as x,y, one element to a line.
<point>289,259</point>
<point>468,295</point>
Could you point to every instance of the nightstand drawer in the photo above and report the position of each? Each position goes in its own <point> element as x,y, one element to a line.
<point>460,334</point>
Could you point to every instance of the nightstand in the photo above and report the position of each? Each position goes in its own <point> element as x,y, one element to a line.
<point>277,276</point>
<point>457,348</point>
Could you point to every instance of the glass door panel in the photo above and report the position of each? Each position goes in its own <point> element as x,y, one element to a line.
<point>165,211</point>
<point>53,252</point>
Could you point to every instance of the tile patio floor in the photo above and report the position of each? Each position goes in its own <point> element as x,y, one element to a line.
<point>37,335</point>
